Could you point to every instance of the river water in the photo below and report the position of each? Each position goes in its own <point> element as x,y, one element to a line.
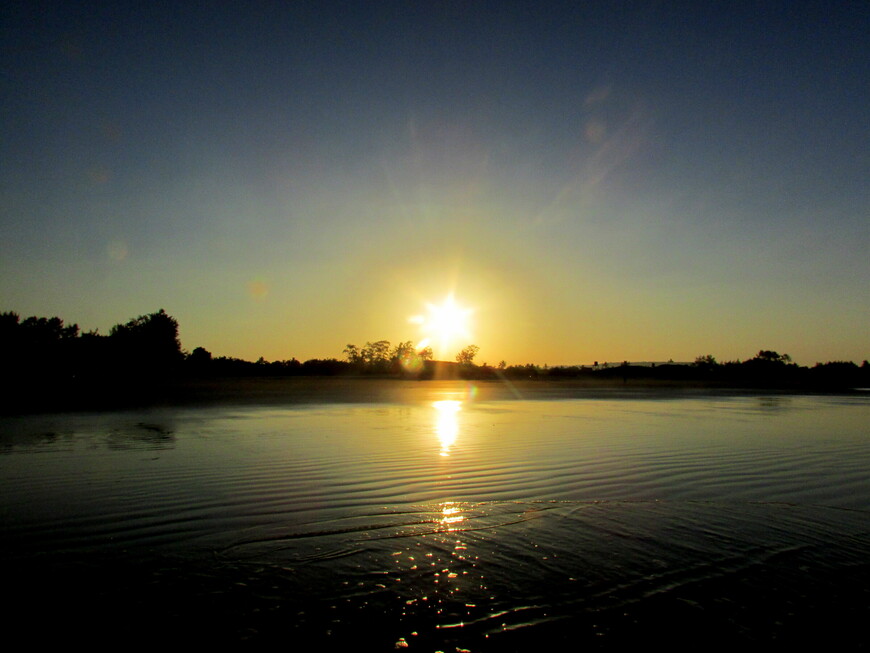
<point>443,523</point>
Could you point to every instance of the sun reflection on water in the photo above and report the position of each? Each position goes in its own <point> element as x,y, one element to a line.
<point>443,587</point>
<point>447,423</point>
<point>451,516</point>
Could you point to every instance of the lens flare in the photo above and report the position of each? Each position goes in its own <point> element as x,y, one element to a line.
<point>258,290</point>
<point>412,363</point>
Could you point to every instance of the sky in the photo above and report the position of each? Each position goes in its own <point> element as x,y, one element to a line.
<point>589,181</point>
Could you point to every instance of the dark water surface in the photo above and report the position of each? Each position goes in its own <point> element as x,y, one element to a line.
<point>443,523</point>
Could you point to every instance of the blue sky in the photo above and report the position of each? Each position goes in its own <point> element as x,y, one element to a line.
<point>597,181</point>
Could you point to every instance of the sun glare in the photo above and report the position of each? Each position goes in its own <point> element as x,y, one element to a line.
<point>447,424</point>
<point>444,327</point>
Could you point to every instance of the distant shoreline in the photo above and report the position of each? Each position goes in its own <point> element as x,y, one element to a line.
<point>315,390</point>
<point>296,391</point>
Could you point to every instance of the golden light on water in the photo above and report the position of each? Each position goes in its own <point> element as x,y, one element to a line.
<point>447,423</point>
<point>451,515</point>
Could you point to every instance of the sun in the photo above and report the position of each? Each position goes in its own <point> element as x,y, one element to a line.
<point>445,326</point>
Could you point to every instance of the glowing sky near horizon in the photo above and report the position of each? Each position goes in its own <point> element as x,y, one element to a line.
<point>597,181</point>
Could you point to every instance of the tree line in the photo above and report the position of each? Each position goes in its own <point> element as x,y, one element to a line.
<point>44,357</point>
<point>41,348</point>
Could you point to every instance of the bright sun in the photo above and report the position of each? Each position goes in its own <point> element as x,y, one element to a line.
<point>444,327</point>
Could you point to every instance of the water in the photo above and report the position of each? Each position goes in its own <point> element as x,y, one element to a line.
<point>443,523</point>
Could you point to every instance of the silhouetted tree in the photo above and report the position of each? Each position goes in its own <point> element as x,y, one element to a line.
<point>836,374</point>
<point>8,321</point>
<point>402,350</point>
<point>12,352</point>
<point>354,357</point>
<point>37,347</point>
<point>403,358</point>
<point>466,356</point>
<point>149,343</point>
<point>199,360</point>
<point>376,356</point>
<point>769,356</point>
<point>426,354</point>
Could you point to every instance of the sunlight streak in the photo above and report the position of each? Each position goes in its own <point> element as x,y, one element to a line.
<point>447,424</point>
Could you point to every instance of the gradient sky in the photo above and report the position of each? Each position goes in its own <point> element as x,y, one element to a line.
<point>596,180</point>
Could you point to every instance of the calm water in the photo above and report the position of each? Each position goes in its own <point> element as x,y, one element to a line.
<point>443,523</point>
